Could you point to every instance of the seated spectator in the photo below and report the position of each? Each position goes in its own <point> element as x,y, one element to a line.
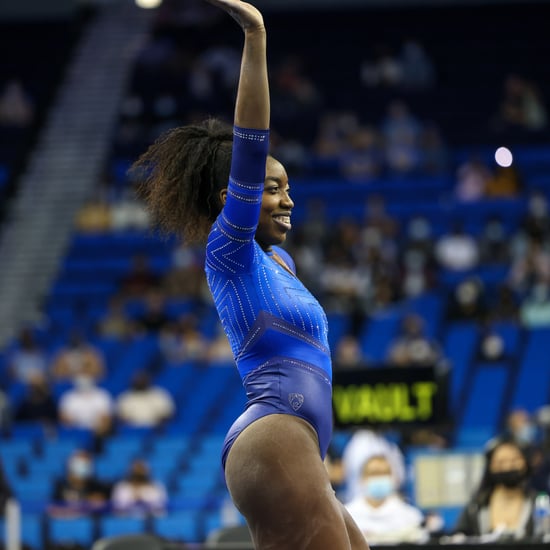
<point>472,177</point>
<point>529,266</point>
<point>94,217</point>
<point>494,245</point>
<point>27,359</point>
<point>16,106</point>
<point>457,250</point>
<point>5,412</point>
<point>384,71</point>
<point>86,406</point>
<point>154,319</point>
<point>79,492</point>
<point>505,305</point>
<point>362,158</point>
<point>139,493</point>
<point>467,301</point>
<point>491,347</point>
<point>402,133</point>
<point>127,213</point>
<point>78,358</point>
<point>5,490</point>
<point>363,445</point>
<point>186,277</point>
<point>379,512</point>
<point>140,280</point>
<point>417,69</point>
<point>38,404</point>
<point>502,505</point>
<point>219,350</point>
<point>182,341</point>
<point>521,108</point>
<point>115,323</point>
<point>144,405</point>
<point>348,353</point>
<point>412,347</point>
<point>536,223</point>
<point>435,156</point>
<point>505,184</point>
<point>535,309</point>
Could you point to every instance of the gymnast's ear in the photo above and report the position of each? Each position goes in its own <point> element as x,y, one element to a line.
<point>223,195</point>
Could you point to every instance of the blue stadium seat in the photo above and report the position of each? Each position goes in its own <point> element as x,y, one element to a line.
<point>179,526</point>
<point>110,526</point>
<point>65,531</point>
<point>379,333</point>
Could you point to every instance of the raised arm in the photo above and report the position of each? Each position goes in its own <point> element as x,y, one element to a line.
<point>252,104</point>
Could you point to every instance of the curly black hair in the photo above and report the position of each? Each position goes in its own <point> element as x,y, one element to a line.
<point>180,176</point>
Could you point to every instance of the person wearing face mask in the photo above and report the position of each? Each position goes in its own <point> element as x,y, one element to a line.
<point>139,494</point>
<point>381,514</point>
<point>502,506</point>
<point>79,491</point>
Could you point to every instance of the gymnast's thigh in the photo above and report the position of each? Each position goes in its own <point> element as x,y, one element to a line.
<point>278,481</point>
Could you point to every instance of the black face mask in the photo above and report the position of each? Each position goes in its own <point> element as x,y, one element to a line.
<point>509,478</point>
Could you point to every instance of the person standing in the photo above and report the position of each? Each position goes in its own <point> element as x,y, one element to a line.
<point>273,454</point>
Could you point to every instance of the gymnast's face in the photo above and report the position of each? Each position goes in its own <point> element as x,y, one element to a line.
<point>276,208</point>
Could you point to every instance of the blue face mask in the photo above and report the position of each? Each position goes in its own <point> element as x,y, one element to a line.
<point>526,434</point>
<point>378,487</point>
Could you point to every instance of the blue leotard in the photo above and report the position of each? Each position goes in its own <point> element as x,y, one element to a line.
<point>276,328</point>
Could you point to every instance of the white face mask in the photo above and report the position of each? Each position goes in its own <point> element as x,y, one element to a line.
<point>80,467</point>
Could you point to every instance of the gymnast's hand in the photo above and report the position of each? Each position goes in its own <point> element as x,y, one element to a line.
<point>246,15</point>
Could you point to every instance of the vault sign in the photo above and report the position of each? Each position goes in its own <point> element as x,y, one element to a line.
<point>392,396</point>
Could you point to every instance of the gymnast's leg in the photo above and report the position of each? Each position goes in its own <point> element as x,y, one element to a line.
<point>279,483</point>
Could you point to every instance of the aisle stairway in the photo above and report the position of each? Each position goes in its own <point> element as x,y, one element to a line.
<point>67,162</point>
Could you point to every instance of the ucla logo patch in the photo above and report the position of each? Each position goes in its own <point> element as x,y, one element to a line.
<point>296,400</point>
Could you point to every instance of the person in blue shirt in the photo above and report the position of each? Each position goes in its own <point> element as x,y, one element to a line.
<point>209,183</point>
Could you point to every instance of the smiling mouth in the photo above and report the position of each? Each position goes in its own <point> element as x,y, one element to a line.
<point>283,221</point>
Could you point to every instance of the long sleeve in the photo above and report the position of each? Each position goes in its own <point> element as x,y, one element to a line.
<point>230,244</point>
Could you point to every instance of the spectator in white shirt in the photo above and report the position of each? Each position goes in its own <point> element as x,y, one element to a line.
<point>87,406</point>
<point>139,493</point>
<point>381,514</point>
<point>144,405</point>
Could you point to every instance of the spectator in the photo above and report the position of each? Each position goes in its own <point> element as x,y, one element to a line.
<point>140,280</point>
<point>94,216</point>
<point>467,301</point>
<point>505,184</point>
<point>5,490</point>
<point>5,412</point>
<point>435,157</point>
<point>417,70</point>
<point>535,308</point>
<point>530,266</point>
<point>492,347</point>
<point>154,319</point>
<point>472,177</point>
<point>502,506</point>
<point>381,514</point>
<point>78,359</point>
<point>79,492</point>
<point>115,323</point>
<point>521,108</point>
<point>412,347</point>
<point>402,133</point>
<point>127,213</point>
<point>38,404</point>
<point>362,158</point>
<point>364,444</point>
<point>505,305</point>
<point>144,405</point>
<point>16,106</point>
<point>494,246</point>
<point>27,359</point>
<point>139,494</point>
<point>183,341</point>
<point>348,353</point>
<point>86,406</point>
<point>219,350</point>
<point>385,71</point>
<point>536,223</point>
<point>456,250</point>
